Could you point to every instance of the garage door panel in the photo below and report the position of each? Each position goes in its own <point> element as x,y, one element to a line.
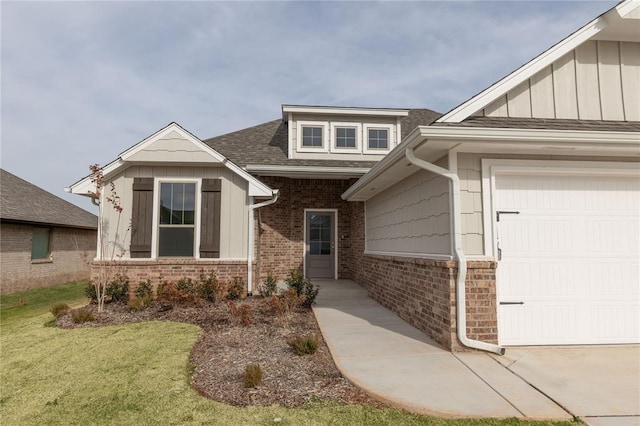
<point>571,257</point>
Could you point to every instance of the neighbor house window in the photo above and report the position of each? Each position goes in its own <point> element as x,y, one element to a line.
<point>40,244</point>
<point>176,235</point>
<point>312,137</point>
<point>345,137</point>
<point>378,139</point>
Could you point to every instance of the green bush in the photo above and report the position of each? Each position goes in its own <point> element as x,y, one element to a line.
<point>59,309</point>
<point>211,288</point>
<point>304,345</point>
<point>302,287</point>
<point>187,285</point>
<point>144,289</point>
<point>90,292</point>
<point>269,287</point>
<point>82,315</point>
<point>252,375</point>
<point>118,288</point>
<point>236,289</point>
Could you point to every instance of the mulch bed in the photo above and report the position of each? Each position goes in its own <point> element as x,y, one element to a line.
<point>226,346</point>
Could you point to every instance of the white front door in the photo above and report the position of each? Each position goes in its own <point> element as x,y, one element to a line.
<point>569,250</point>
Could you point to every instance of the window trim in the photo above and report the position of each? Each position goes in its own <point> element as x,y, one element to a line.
<point>155,231</point>
<point>324,125</point>
<point>349,125</point>
<point>391,139</point>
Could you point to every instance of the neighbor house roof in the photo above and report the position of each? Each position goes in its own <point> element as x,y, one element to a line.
<point>267,143</point>
<point>21,201</point>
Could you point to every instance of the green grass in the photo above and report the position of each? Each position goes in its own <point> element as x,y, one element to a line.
<point>136,374</point>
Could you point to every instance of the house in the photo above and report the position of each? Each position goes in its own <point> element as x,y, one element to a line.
<point>45,239</point>
<point>533,187</point>
<point>512,219</point>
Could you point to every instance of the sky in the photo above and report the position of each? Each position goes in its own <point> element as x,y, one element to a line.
<point>80,82</point>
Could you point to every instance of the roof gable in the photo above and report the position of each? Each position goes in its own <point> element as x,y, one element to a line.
<point>618,24</point>
<point>21,201</point>
<point>171,144</point>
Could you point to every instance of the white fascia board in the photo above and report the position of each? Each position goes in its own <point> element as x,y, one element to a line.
<point>301,171</point>
<point>525,72</point>
<point>508,137</point>
<point>629,9</point>
<point>85,186</point>
<point>380,112</point>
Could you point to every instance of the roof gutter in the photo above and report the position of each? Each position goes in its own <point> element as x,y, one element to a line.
<point>461,302</point>
<point>251,237</point>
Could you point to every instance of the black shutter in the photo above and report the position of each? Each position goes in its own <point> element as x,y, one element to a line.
<point>142,218</point>
<point>210,219</point>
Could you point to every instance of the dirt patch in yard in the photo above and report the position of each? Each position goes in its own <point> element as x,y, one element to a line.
<point>226,346</point>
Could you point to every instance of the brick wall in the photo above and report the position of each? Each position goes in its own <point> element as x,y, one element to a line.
<point>171,270</point>
<point>71,251</point>
<point>280,241</point>
<point>423,291</point>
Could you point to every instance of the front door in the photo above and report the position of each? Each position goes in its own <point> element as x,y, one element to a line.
<point>320,244</point>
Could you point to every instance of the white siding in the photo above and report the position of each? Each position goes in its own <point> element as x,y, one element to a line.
<point>410,218</point>
<point>171,148</point>
<point>233,215</point>
<point>599,80</point>
<point>470,173</point>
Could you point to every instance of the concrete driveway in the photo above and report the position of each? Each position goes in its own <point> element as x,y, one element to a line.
<point>599,384</point>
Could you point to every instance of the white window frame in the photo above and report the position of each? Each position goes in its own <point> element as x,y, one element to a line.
<point>390,134</point>
<point>346,125</point>
<point>155,234</point>
<point>325,136</point>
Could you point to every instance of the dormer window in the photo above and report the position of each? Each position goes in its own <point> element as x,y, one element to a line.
<point>379,138</point>
<point>345,137</point>
<point>312,136</point>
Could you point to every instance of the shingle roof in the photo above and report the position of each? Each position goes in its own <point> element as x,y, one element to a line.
<point>266,144</point>
<point>21,201</point>
<point>547,123</point>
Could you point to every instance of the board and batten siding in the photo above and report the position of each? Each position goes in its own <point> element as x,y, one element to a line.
<point>411,218</point>
<point>233,214</point>
<point>599,80</point>
<point>470,174</point>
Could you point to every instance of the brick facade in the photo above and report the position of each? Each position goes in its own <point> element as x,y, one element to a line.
<point>422,291</point>
<point>172,270</point>
<point>280,240</point>
<point>71,250</point>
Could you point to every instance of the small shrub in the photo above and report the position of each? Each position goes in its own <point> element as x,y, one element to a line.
<point>295,280</point>
<point>187,285</point>
<point>144,289</point>
<point>211,288</point>
<point>241,314</point>
<point>118,288</point>
<point>303,287</point>
<point>252,375</point>
<point>236,289</point>
<point>90,292</point>
<point>59,309</point>
<point>82,315</point>
<point>304,345</point>
<point>269,287</point>
<point>169,292</point>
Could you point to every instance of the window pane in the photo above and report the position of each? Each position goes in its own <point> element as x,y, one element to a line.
<point>176,242</point>
<point>312,136</point>
<point>177,203</point>
<point>314,248</point>
<point>326,234</point>
<point>40,243</point>
<point>378,139</point>
<point>325,248</point>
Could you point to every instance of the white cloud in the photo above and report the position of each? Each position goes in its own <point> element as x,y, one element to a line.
<point>83,81</point>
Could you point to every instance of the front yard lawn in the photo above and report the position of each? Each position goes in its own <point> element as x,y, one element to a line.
<point>133,374</point>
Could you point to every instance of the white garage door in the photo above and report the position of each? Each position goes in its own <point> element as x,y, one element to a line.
<point>569,259</point>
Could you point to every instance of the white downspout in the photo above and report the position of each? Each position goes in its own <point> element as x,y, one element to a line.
<point>461,297</point>
<point>250,249</point>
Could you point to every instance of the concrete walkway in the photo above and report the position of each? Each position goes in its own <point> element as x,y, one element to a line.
<point>395,362</point>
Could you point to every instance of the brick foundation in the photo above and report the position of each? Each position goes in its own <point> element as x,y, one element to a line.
<point>160,270</point>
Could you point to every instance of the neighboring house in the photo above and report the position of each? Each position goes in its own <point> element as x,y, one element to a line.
<point>520,206</point>
<point>44,240</point>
